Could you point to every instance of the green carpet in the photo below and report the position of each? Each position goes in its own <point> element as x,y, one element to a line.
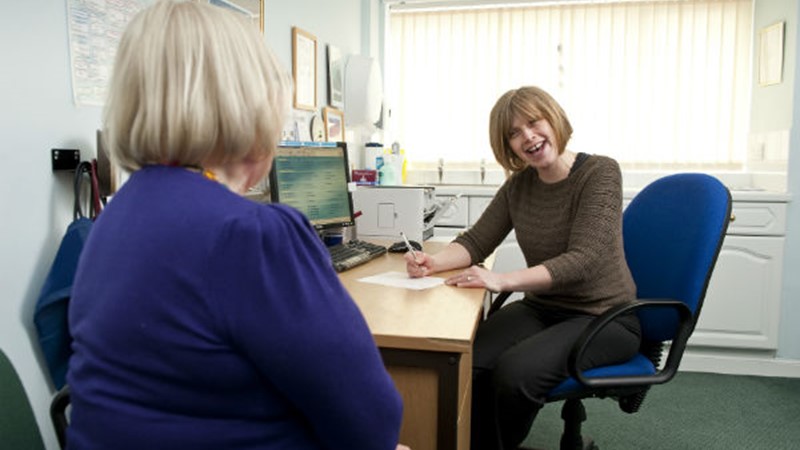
<point>693,411</point>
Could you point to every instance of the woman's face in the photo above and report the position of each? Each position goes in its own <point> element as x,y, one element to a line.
<point>534,142</point>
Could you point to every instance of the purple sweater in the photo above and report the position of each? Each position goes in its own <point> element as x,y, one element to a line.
<point>204,320</point>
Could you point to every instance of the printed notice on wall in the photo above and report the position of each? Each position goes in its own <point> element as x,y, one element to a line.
<point>95,28</point>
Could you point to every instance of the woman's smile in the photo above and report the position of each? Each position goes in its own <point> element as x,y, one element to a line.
<point>534,142</point>
<point>536,148</point>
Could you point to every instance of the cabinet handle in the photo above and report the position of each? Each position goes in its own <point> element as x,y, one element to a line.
<point>733,217</point>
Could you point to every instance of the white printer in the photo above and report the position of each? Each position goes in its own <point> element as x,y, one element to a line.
<point>388,210</point>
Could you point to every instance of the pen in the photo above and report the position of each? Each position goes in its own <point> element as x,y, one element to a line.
<point>408,246</point>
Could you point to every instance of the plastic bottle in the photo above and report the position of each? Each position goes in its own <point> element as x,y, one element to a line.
<point>388,171</point>
<point>372,150</point>
<point>379,164</point>
<point>403,171</point>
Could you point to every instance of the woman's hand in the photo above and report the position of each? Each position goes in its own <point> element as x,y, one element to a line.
<point>418,264</point>
<point>477,277</point>
<point>421,264</point>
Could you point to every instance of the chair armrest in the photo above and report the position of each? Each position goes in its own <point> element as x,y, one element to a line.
<point>685,327</point>
<point>498,302</point>
<point>58,414</point>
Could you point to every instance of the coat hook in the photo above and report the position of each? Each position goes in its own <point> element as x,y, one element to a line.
<point>63,159</point>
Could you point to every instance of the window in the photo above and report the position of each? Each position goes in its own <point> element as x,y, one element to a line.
<point>655,84</point>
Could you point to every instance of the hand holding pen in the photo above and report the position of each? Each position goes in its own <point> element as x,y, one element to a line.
<point>409,246</point>
<point>417,262</point>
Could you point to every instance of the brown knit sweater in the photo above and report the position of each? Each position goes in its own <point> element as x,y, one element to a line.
<point>573,228</point>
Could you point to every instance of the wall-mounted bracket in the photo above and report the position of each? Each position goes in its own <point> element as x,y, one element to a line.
<point>65,159</point>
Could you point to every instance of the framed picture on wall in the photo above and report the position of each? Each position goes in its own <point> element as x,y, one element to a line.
<point>770,54</point>
<point>304,69</point>
<point>334,124</point>
<point>335,77</point>
<point>252,10</point>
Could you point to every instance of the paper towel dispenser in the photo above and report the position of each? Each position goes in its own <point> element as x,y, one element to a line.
<point>363,91</point>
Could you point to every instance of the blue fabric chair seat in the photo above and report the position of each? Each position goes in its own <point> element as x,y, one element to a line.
<point>637,366</point>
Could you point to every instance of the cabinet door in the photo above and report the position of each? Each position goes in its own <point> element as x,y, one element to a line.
<point>742,305</point>
<point>476,207</point>
<point>758,219</point>
<point>455,212</point>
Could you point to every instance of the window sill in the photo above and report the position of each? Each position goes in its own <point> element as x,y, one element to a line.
<point>740,182</point>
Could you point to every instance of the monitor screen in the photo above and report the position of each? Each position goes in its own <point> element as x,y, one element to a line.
<point>313,178</point>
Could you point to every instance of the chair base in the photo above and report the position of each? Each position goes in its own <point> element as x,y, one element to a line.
<point>574,414</point>
<point>588,444</point>
<point>585,443</point>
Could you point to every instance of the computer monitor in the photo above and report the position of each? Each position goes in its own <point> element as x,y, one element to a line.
<point>313,178</point>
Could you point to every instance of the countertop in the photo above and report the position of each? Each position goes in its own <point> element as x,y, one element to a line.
<point>743,195</point>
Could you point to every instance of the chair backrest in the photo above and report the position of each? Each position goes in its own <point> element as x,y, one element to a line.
<point>18,428</point>
<point>673,231</point>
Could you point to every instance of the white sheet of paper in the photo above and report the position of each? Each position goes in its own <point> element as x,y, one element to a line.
<point>402,280</point>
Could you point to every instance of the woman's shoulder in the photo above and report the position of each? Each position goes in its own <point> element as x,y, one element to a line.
<point>273,229</point>
<point>279,219</point>
<point>244,218</point>
<point>598,166</point>
<point>284,212</point>
<point>603,161</point>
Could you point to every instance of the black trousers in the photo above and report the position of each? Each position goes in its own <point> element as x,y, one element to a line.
<point>520,354</point>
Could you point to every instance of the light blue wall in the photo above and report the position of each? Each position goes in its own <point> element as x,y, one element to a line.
<point>771,108</point>
<point>332,22</point>
<point>789,339</point>
<point>36,114</point>
<point>777,108</point>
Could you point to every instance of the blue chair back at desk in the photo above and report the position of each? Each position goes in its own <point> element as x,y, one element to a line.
<point>673,232</point>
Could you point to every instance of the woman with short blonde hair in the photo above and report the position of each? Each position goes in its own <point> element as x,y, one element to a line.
<point>202,319</point>
<point>195,86</point>
<point>533,104</point>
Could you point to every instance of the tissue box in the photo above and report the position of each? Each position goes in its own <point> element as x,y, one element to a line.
<point>365,177</point>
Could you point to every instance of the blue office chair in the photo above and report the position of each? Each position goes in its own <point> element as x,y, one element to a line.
<point>673,231</point>
<point>18,427</point>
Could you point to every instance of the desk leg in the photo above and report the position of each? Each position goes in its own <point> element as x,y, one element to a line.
<point>435,387</point>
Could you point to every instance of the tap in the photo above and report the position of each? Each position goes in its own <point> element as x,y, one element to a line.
<point>440,168</point>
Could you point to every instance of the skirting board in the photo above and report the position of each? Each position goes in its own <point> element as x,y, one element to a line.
<point>740,365</point>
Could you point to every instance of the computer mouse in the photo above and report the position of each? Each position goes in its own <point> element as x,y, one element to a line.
<point>400,247</point>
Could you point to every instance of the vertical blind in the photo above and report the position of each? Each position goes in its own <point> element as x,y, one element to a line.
<point>655,84</point>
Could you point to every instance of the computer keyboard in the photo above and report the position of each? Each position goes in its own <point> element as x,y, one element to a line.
<point>354,253</point>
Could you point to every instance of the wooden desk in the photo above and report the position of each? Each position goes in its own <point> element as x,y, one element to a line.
<point>425,338</point>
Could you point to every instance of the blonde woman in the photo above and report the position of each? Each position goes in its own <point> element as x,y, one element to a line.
<point>201,319</point>
<point>566,211</point>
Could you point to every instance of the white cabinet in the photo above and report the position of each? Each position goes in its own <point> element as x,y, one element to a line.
<point>456,211</point>
<point>758,219</point>
<point>742,306</point>
<point>476,207</point>
<point>463,210</point>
